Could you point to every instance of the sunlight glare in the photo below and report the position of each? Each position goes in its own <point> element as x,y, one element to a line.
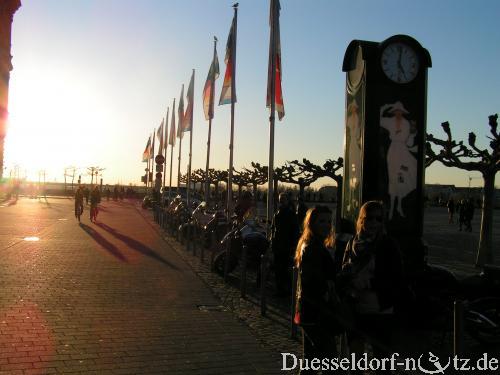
<point>44,108</point>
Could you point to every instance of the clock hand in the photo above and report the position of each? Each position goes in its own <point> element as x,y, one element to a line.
<point>400,66</point>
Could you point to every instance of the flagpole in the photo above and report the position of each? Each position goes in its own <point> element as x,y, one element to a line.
<point>166,148</point>
<point>190,141</point>
<point>210,116</point>
<point>147,173</point>
<point>152,158</point>
<point>270,181</point>
<point>233,90</point>
<point>171,155</point>
<point>150,164</point>
<point>180,131</point>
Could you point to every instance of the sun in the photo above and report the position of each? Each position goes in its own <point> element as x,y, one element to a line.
<point>54,119</point>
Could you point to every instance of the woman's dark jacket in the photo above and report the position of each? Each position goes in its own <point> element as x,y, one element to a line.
<point>388,281</point>
<point>314,272</point>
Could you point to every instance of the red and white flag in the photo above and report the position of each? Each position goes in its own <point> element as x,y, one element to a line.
<point>275,54</point>
<point>159,135</point>
<point>188,115</point>
<point>171,140</point>
<point>227,95</point>
<point>209,89</point>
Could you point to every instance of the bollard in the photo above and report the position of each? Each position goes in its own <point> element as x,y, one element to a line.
<point>293,326</point>
<point>213,241</point>
<point>178,236</point>
<point>228,254</point>
<point>193,239</point>
<point>201,241</point>
<point>187,240</point>
<point>458,327</point>
<point>263,278</point>
<point>243,281</point>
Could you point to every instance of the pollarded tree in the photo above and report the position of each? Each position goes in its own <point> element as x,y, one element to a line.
<point>295,174</point>
<point>197,178</point>
<point>216,177</point>
<point>257,176</point>
<point>487,162</point>
<point>330,169</point>
<point>240,179</point>
<point>183,178</point>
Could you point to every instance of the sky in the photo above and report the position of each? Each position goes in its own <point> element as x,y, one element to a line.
<point>93,78</point>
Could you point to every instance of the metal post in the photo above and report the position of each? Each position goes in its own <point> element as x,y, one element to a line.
<point>243,281</point>
<point>228,255</point>
<point>202,245</point>
<point>213,240</point>
<point>263,277</point>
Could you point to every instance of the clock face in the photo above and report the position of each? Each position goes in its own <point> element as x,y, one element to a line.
<point>354,76</point>
<point>400,62</point>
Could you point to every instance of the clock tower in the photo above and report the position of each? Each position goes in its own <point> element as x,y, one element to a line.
<point>384,144</point>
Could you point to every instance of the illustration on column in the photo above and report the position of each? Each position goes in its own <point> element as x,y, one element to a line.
<point>401,164</point>
<point>353,158</point>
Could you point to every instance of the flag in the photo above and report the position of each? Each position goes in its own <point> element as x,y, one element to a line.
<point>171,140</point>
<point>275,53</point>
<point>165,143</point>
<point>188,116</point>
<point>180,112</point>
<point>153,147</point>
<point>209,89</point>
<point>226,95</point>
<point>159,134</point>
<point>147,151</point>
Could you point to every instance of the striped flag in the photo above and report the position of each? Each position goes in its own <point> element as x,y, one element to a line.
<point>188,116</point>
<point>159,134</point>
<point>275,53</point>
<point>227,95</point>
<point>153,146</point>
<point>209,89</point>
<point>180,111</point>
<point>171,140</point>
<point>147,151</point>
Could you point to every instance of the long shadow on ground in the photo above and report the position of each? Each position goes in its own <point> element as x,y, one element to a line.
<point>136,245</point>
<point>112,249</point>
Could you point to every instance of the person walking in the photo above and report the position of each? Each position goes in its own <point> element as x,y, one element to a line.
<point>462,213</point>
<point>451,210</point>
<point>469,214</point>
<point>316,288</point>
<point>95,198</point>
<point>284,236</point>
<point>78,202</point>
<point>372,281</point>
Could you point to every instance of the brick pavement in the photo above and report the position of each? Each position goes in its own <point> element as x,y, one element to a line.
<point>110,298</point>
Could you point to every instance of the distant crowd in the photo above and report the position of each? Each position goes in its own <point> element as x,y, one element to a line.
<point>465,209</point>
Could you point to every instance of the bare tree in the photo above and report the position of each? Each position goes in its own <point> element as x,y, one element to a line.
<point>69,172</point>
<point>240,179</point>
<point>295,174</point>
<point>257,176</point>
<point>487,162</point>
<point>330,169</point>
<point>94,171</point>
<point>216,177</point>
<point>197,178</point>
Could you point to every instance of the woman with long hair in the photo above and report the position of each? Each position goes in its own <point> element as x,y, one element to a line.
<point>315,287</point>
<point>372,279</point>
